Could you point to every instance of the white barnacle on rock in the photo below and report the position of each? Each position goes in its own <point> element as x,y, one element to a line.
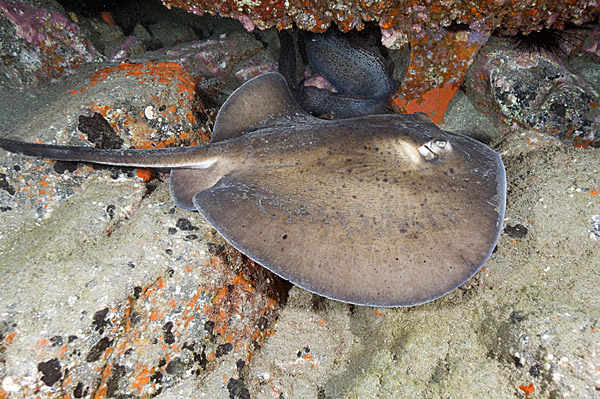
<point>149,112</point>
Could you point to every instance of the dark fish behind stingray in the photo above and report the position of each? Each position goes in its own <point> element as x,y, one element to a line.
<point>384,210</point>
<point>360,75</point>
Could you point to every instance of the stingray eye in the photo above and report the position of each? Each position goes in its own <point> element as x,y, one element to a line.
<point>433,149</point>
<point>441,144</point>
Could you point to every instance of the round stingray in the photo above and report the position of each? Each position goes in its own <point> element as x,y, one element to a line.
<point>383,222</point>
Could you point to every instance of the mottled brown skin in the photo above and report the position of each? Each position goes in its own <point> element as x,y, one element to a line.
<point>384,210</point>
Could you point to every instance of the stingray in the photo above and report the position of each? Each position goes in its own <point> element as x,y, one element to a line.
<point>382,210</point>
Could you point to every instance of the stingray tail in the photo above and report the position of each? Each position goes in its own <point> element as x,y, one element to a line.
<point>158,158</point>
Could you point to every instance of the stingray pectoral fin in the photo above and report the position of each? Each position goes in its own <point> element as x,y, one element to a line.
<point>185,183</point>
<point>352,241</point>
<point>422,116</point>
<point>183,187</point>
<point>258,102</point>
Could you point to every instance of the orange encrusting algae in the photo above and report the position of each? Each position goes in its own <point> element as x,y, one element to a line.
<point>434,102</point>
<point>143,132</point>
<point>405,17</point>
<point>232,305</point>
<point>435,73</point>
<point>527,389</point>
<point>161,72</point>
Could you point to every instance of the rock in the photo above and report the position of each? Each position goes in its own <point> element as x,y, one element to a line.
<point>169,33</point>
<point>39,45</point>
<point>400,20</point>
<point>103,35</point>
<point>169,289</point>
<point>537,90</point>
<point>150,43</point>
